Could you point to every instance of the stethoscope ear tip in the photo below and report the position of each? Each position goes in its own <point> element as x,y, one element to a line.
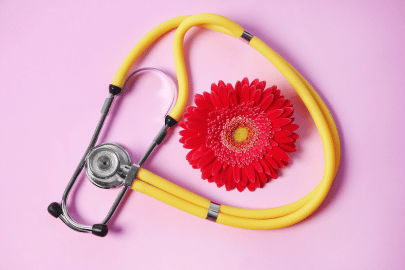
<point>55,209</point>
<point>99,230</point>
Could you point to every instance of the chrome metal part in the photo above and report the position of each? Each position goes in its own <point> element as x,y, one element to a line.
<point>246,37</point>
<point>213,211</point>
<point>103,163</point>
<point>131,175</point>
<point>115,204</point>
<point>107,104</point>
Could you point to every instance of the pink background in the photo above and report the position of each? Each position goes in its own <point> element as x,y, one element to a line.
<point>56,62</point>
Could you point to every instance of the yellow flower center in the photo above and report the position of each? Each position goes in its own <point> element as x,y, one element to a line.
<point>240,134</point>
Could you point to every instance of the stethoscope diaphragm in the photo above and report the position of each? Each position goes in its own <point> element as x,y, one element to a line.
<point>104,164</point>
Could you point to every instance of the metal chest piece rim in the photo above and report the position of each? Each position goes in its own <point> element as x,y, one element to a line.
<point>104,164</point>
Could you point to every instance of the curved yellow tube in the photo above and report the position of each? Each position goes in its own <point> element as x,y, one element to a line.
<point>151,37</point>
<point>261,219</point>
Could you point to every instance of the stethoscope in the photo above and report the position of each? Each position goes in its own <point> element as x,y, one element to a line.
<point>108,165</point>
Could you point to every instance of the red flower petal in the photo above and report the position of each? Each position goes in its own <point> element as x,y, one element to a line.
<point>224,178</point>
<point>283,139</point>
<point>273,173</point>
<point>217,167</point>
<point>223,96</point>
<point>287,103</point>
<point>214,88</point>
<point>207,97</point>
<point>287,147</point>
<point>245,81</point>
<point>183,124</point>
<point>244,94</point>
<point>279,153</point>
<point>244,177</point>
<point>232,97</point>
<point>196,126</point>
<point>190,154</point>
<point>197,119</point>
<point>266,102</point>
<point>200,153</point>
<point>282,133</point>
<point>238,89</point>
<point>183,139</point>
<point>252,90</point>
<point>220,184</point>
<point>256,96</point>
<point>195,141</point>
<point>274,114</point>
<point>190,109</point>
<point>230,184</point>
<point>206,171</point>
<point>265,166</point>
<point>270,90</point>
<point>236,174</point>
<point>207,159</point>
<point>279,122</point>
<point>202,103</point>
<point>279,163</point>
<point>261,85</point>
<point>215,100</point>
<point>201,112</point>
<point>273,143</point>
<point>251,186</point>
<point>257,166</point>
<point>254,82</point>
<point>240,186</point>
<point>217,179</point>
<point>229,87</point>
<point>295,136</point>
<point>188,133</point>
<point>277,104</point>
<point>262,177</point>
<point>290,127</point>
<point>257,180</point>
<point>271,161</point>
<point>250,172</point>
<point>276,94</point>
<point>288,111</point>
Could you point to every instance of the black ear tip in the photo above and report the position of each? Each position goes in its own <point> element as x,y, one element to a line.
<point>99,230</point>
<point>54,209</point>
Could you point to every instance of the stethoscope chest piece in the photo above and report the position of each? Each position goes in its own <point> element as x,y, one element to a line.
<point>105,163</point>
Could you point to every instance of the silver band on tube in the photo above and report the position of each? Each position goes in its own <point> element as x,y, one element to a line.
<point>213,210</point>
<point>246,37</point>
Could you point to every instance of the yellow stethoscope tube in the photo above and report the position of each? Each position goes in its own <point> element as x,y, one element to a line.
<point>258,219</point>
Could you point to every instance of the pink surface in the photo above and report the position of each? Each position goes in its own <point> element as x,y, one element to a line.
<point>56,61</point>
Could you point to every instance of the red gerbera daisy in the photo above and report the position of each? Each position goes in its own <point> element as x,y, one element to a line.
<point>239,136</point>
